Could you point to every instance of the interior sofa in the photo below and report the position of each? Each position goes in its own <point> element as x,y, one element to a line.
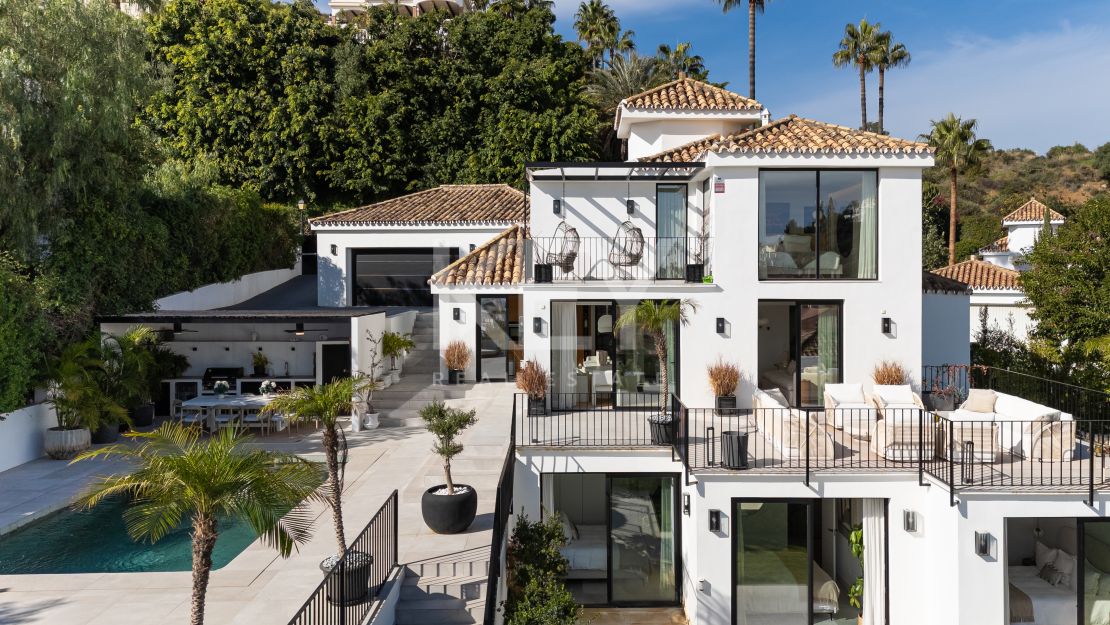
<point>1023,428</point>
<point>786,429</point>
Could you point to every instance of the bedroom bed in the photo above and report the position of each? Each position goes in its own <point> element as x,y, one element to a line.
<point>1035,601</point>
<point>586,553</point>
<point>781,587</point>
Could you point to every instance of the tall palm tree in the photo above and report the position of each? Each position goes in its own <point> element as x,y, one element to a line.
<point>890,55</point>
<point>625,76</point>
<point>623,44</point>
<point>679,60</point>
<point>958,149</point>
<point>325,403</point>
<point>596,25</point>
<point>753,7</point>
<point>177,477</point>
<point>654,318</point>
<point>858,48</point>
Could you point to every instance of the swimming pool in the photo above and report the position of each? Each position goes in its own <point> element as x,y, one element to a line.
<point>96,541</point>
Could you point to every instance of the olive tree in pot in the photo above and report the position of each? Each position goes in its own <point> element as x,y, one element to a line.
<point>532,379</point>
<point>655,318</point>
<point>79,402</point>
<point>327,403</point>
<point>457,356</point>
<point>724,377</point>
<point>448,508</point>
<point>394,347</point>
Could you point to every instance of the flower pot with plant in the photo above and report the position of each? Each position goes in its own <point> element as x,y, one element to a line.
<point>724,377</point>
<point>394,347</point>
<point>268,388</point>
<point>364,414</point>
<point>655,318</point>
<point>532,379</point>
<point>457,356</point>
<point>79,401</point>
<point>448,508</point>
<point>221,388</point>
<point>260,362</point>
<point>889,372</point>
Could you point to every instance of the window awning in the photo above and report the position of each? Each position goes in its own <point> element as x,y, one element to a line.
<point>569,171</point>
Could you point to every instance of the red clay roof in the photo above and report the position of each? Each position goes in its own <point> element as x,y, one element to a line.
<point>981,275</point>
<point>499,261</point>
<point>689,94</point>
<point>1001,245</point>
<point>445,204</point>
<point>1032,211</point>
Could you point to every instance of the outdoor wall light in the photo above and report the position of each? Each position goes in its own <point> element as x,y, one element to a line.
<point>982,543</point>
<point>557,206</point>
<point>720,325</point>
<point>685,504</point>
<point>630,206</point>
<point>714,520</point>
<point>537,325</point>
<point>887,325</point>
<point>334,249</point>
<point>456,313</point>
<point>909,521</point>
<point>472,246</point>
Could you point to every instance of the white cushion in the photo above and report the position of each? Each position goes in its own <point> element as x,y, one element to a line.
<point>1091,577</point>
<point>1043,554</point>
<point>1011,408</point>
<point>895,394</point>
<point>962,414</point>
<point>855,406</point>
<point>846,393</point>
<point>901,406</point>
<point>980,400</point>
<point>1065,563</point>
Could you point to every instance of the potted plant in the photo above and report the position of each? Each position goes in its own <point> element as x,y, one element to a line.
<point>376,371</point>
<point>365,415</point>
<point>260,361</point>
<point>724,377</point>
<point>448,508</point>
<point>532,379</point>
<point>855,591</point>
<point>394,346</point>
<point>221,388</point>
<point>164,364</point>
<point>78,400</point>
<point>268,388</point>
<point>695,267</point>
<point>457,356</point>
<point>654,318</point>
<point>944,398</point>
<point>889,372</point>
<point>124,375</point>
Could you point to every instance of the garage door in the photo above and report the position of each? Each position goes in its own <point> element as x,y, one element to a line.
<point>394,276</point>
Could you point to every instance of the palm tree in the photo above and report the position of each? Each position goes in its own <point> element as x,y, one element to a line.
<point>858,47</point>
<point>680,61</point>
<point>958,149</point>
<point>623,44</point>
<point>890,55</point>
<point>753,7</point>
<point>625,76</point>
<point>325,403</point>
<point>178,476</point>
<point>654,318</point>
<point>596,25</point>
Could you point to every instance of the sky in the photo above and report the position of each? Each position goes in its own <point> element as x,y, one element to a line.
<point>1034,74</point>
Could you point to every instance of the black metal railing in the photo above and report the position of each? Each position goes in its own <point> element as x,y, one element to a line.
<point>502,509</point>
<point>599,419</point>
<point>351,589</point>
<point>624,258</point>
<point>946,386</point>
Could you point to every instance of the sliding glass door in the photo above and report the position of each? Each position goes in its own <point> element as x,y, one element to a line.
<point>800,349</point>
<point>772,567</point>
<point>1092,567</point>
<point>819,345</point>
<point>498,338</point>
<point>642,535</point>
<point>670,230</point>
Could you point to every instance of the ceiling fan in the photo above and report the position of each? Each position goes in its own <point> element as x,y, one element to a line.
<point>299,330</point>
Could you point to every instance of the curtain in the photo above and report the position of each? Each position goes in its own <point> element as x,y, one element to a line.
<point>666,531</point>
<point>868,260</point>
<point>828,345</point>
<point>564,337</point>
<point>874,562</point>
<point>671,231</point>
<point>547,494</point>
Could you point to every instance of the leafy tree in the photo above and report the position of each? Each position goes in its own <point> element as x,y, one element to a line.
<point>1068,287</point>
<point>536,570</point>
<point>754,6</point>
<point>446,424</point>
<point>859,47</point>
<point>180,477</point>
<point>960,152</point>
<point>1102,161</point>
<point>22,334</point>
<point>678,60</point>
<point>888,55</point>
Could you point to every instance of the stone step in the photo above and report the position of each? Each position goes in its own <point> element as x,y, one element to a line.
<point>462,589</point>
<point>445,614</point>
<point>472,563</point>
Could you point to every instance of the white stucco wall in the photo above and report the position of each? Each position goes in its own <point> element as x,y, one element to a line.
<point>334,269</point>
<point>944,324</point>
<point>1002,308</point>
<point>651,137</point>
<point>362,349</point>
<point>228,293</point>
<point>21,434</point>
<point>464,329</point>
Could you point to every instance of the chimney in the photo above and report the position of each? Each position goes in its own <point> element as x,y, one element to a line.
<point>973,257</point>
<point>681,75</point>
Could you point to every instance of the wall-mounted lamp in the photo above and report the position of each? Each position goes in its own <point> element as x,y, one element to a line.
<point>714,520</point>
<point>456,313</point>
<point>300,205</point>
<point>537,325</point>
<point>298,330</point>
<point>982,543</point>
<point>630,206</point>
<point>703,586</point>
<point>720,325</point>
<point>334,249</point>
<point>909,521</point>
<point>557,206</point>
<point>685,504</point>
<point>472,246</point>
<point>887,325</point>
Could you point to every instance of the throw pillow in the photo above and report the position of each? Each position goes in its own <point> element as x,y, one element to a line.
<point>1103,586</point>
<point>568,528</point>
<point>1043,554</point>
<point>1049,574</point>
<point>1065,564</point>
<point>980,400</point>
<point>1091,577</point>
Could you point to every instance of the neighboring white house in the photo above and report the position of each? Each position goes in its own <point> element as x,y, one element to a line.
<point>342,10</point>
<point>1023,227</point>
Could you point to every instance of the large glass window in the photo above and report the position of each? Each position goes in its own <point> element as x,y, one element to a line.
<point>818,225</point>
<point>670,226</point>
<point>772,561</point>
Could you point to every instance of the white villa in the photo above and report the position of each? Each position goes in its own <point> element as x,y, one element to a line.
<point>798,245</point>
<point>342,10</point>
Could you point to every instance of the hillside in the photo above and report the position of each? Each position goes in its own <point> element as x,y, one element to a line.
<point>1063,178</point>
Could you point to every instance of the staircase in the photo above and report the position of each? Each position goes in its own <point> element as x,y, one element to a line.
<point>447,590</point>
<point>400,404</point>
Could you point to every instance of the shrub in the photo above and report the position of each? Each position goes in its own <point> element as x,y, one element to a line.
<point>536,568</point>
<point>22,335</point>
<point>532,379</point>
<point>446,424</point>
<point>889,372</point>
<point>724,377</point>
<point>457,355</point>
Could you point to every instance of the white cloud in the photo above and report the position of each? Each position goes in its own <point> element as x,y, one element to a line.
<point>1033,90</point>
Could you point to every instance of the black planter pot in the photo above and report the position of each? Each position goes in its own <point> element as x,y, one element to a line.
<point>734,450</point>
<point>725,403</point>
<point>695,272</point>
<point>142,416</point>
<point>454,377</point>
<point>662,433</point>
<point>543,273</point>
<point>537,406</point>
<point>106,433</point>
<point>449,514</point>
<point>349,583</point>
<point>259,372</point>
<point>936,401</point>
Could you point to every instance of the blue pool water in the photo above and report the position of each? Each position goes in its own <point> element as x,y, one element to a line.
<point>96,541</point>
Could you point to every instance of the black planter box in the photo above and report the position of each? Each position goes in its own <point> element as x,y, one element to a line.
<point>695,272</point>
<point>543,273</point>
<point>537,406</point>
<point>454,377</point>
<point>734,450</point>
<point>142,416</point>
<point>726,403</point>
<point>107,433</point>
<point>449,514</point>
<point>349,583</point>
<point>662,433</point>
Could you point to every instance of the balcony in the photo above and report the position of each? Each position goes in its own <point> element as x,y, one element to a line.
<point>562,258</point>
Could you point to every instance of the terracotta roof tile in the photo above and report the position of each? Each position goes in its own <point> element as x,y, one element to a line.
<point>981,275</point>
<point>936,283</point>
<point>1001,245</point>
<point>792,135</point>
<point>1032,211</point>
<point>499,261</point>
<point>449,203</point>
<point>689,94</point>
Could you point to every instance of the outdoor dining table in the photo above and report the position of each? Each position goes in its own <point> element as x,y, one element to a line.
<point>209,405</point>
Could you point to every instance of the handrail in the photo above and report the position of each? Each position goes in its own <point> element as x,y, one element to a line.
<point>503,506</point>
